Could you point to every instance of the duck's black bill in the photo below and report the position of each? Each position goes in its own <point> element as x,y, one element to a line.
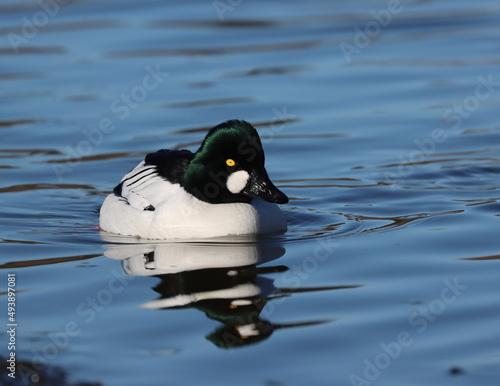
<point>260,186</point>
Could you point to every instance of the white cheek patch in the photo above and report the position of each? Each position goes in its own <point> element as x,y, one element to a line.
<point>237,181</point>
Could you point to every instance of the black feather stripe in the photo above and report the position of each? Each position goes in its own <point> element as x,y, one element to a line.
<point>137,174</point>
<point>134,183</point>
<point>118,189</point>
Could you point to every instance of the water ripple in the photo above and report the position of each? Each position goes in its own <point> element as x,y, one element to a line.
<point>209,51</point>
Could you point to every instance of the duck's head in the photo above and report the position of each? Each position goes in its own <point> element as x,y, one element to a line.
<point>229,167</point>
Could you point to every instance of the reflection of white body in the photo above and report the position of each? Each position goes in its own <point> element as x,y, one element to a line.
<point>179,215</point>
<point>155,259</point>
<point>246,290</point>
<point>175,257</point>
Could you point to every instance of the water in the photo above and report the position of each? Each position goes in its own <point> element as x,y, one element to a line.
<point>380,122</point>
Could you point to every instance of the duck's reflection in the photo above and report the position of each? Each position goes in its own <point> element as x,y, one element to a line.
<point>234,296</point>
<point>224,280</point>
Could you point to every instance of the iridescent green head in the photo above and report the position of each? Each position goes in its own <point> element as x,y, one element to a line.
<point>229,167</point>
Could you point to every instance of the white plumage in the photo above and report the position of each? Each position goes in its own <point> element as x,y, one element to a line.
<point>180,215</point>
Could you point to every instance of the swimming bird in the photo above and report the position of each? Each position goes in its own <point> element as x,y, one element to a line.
<point>221,189</point>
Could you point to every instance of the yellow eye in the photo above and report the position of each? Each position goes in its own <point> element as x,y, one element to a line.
<point>230,162</point>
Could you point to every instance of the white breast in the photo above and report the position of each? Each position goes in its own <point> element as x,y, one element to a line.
<point>182,216</point>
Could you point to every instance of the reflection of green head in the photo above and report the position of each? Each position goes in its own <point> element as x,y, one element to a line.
<point>230,337</point>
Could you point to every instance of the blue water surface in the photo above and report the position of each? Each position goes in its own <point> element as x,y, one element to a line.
<point>379,120</point>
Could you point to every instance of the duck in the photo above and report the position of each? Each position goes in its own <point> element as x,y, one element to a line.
<point>222,189</point>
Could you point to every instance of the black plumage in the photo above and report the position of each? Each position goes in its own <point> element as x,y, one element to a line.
<point>171,164</point>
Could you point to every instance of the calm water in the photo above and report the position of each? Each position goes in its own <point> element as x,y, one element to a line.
<point>379,120</point>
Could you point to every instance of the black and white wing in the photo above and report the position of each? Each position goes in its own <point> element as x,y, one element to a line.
<point>145,186</point>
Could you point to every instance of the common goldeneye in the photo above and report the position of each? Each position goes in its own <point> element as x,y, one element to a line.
<point>222,189</point>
